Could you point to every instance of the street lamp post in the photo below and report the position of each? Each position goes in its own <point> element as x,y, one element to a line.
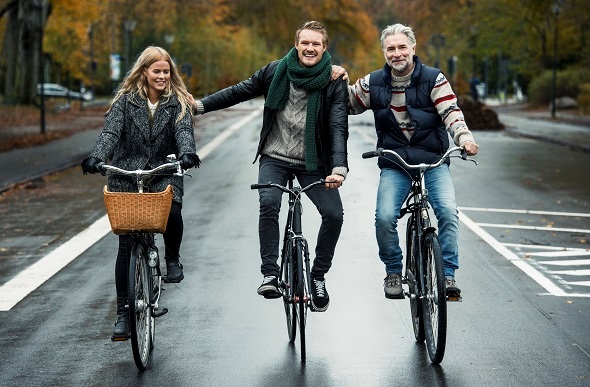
<point>169,39</point>
<point>556,9</point>
<point>129,26</point>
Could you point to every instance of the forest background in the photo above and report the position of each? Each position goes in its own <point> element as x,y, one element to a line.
<point>512,45</point>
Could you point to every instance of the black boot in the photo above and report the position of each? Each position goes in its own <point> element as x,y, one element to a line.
<point>121,328</point>
<point>173,270</point>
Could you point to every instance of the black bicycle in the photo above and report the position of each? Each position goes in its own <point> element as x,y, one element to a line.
<point>424,271</point>
<point>295,273</point>
<point>141,215</point>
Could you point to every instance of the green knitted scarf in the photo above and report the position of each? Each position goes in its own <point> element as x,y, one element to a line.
<point>313,80</point>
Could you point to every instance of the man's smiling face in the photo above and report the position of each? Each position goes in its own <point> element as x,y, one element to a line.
<point>310,47</point>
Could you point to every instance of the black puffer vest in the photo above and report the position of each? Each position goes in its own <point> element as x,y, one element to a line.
<point>430,139</point>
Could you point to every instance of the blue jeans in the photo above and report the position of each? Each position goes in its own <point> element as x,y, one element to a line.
<point>394,187</point>
<point>326,201</point>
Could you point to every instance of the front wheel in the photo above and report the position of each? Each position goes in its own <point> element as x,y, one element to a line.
<point>300,297</point>
<point>140,311</point>
<point>287,283</point>
<point>434,298</point>
<point>413,278</point>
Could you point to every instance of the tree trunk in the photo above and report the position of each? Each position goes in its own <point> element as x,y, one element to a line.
<point>22,51</point>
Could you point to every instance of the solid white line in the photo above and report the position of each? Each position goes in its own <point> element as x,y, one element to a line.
<point>17,288</point>
<point>579,283</point>
<point>556,229</point>
<point>512,211</point>
<point>561,254</point>
<point>35,275</point>
<point>572,262</point>
<point>542,247</point>
<point>221,137</point>
<point>513,258</point>
<point>572,272</point>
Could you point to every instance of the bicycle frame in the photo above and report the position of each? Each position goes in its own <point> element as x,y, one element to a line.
<point>145,276</point>
<point>424,263</point>
<point>295,273</point>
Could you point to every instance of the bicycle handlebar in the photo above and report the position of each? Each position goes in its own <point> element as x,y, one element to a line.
<point>286,189</point>
<point>380,152</point>
<point>142,172</point>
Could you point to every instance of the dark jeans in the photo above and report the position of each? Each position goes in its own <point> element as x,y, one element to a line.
<point>172,240</point>
<point>327,202</point>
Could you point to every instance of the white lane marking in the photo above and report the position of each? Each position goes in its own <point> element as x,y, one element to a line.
<point>514,226</point>
<point>571,262</point>
<point>221,137</point>
<point>17,288</point>
<point>571,272</point>
<point>579,283</point>
<point>542,247</point>
<point>576,214</point>
<point>513,258</point>
<point>35,275</point>
<point>564,253</point>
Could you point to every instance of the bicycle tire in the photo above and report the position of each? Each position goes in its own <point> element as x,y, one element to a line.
<point>301,301</point>
<point>140,311</point>
<point>413,280</point>
<point>154,274</point>
<point>287,276</point>
<point>434,300</point>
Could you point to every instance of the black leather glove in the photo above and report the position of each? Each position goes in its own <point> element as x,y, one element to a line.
<point>90,165</point>
<point>189,160</point>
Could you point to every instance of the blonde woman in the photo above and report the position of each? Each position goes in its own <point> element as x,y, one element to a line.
<point>149,118</point>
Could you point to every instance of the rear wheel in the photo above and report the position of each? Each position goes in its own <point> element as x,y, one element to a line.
<point>412,277</point>
<point>287,282</point>
<point>435,300</point>
<point>140,312</point>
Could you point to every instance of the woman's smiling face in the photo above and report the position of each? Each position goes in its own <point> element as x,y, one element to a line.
<point>157,76</point>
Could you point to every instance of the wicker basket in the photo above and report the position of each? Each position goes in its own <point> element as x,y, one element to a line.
<point>138,212</point>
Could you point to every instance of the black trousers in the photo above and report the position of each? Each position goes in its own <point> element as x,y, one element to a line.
<point>172,241</point>
<point>327,202</point>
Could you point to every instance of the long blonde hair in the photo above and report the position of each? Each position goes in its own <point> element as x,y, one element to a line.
<point>135,81</point>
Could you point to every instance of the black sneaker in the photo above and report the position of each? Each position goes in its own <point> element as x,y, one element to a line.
<point>320,300</point>
<point>173,271</point>
<point>269,287</point>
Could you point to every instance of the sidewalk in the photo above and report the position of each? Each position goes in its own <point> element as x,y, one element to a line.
<point>567,129</point>
<point>25,164</point>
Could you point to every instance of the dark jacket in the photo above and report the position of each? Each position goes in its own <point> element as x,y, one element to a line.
<point>332,127</point>
<point>130,141</point>
<point>430,138</point>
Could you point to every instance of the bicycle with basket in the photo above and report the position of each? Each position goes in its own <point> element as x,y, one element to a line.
<point>141,215</point>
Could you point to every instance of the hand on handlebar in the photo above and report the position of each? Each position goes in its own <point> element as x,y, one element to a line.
<point>189,160</point>
<point>334,181</point>
<point>471,148</point>
<point>91,165</point>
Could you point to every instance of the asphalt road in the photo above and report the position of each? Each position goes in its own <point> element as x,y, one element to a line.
<point>522,321</point>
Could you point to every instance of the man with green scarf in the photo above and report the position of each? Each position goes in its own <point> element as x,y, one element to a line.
<point>304,132</point>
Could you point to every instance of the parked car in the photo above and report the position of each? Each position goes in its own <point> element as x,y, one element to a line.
<point>55,90</point>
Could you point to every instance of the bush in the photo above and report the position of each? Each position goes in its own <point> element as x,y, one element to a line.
<point>568,83</point>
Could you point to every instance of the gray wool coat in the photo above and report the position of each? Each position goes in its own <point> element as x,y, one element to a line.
<point>129,140</point>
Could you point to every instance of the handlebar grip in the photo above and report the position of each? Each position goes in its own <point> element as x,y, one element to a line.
<point>371,154</point>
<point>257,186</point>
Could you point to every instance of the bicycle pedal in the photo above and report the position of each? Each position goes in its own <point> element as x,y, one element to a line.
<point>395,296</point>
<point>454,298</point>
<point>119,338</point>
<point>163,312</point>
